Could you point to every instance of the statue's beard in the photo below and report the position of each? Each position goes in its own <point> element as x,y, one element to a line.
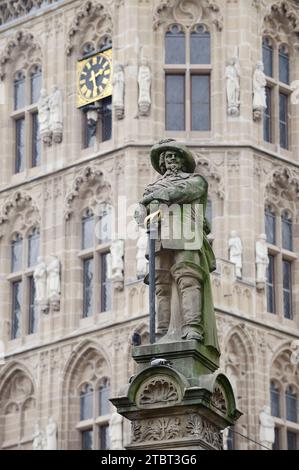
<point>173,168</point>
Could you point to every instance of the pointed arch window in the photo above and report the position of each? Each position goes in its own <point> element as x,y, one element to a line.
<point>284,409</point>
<point>276,116</point>
<point>187,78</point>
<point>26,93</point>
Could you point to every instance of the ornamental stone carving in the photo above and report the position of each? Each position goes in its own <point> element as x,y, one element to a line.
<point>19,207</point>
<point>218,399</point>
<point>187,12</point>
<point>159,390</point>
<point>13,9</point>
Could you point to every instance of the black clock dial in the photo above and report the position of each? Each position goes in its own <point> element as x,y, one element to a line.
<point>94,77</point>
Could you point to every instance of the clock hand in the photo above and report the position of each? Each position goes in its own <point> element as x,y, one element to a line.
<point>100,72</point>
<point>93,80</point>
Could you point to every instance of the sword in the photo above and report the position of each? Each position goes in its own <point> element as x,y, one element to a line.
<point>151,225</point>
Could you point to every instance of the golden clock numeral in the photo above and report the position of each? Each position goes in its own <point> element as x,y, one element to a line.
<point>101,60</point>
<point>88,65</point>
<point>88,94</point>
<point>84,89</point>
<point>101,89</point>
<point>106,72</point>
<point>105,80</point>
<point>82,82</point>
<point>83,73</point>
<point>94,60</point>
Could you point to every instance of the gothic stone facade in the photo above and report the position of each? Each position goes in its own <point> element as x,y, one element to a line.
<point>41,374</point>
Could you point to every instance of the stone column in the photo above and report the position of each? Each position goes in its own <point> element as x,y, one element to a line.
<point>177,400</point>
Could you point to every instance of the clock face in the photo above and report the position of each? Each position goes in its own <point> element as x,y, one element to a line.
<point>94,78</point>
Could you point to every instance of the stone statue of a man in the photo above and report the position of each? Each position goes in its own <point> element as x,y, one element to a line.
<point>39,439</point>
<point>118,82</point>
<point>40,279</point>
<point>232,75</point>
<point>267,427</point>
<point>262,258</point>
<point>51,431</point>
<point>182,268</point>
<point>259,91</point>
<point>141,260</point>
<point>144,82</point>
<point>56,114</point>
<point>235,252</point>
<point>116,431</point>
<point>44,117</point>
<point>53,279</point>
<point>117,260</point>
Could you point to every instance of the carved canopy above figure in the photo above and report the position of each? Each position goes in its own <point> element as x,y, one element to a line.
<point>187,12</point>
<point>12,9</point>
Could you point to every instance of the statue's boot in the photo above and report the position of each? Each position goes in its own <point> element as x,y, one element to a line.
<point>189,284</point>
<point>163,295</point>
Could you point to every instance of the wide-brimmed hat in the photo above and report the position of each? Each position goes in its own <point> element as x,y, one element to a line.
<point>175,146</point>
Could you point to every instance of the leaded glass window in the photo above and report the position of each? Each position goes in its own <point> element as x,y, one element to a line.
<point>86,402</point>
<point>268,116</point>
<point>88,230</point>
<point>175,102</point>
<point>270,225</point>
<point>287,232</point>
<point>17,253</point>
<point>104,395</point>
<point>87,439</point>
<point>287,289</point>
<point>200,46</point>
<point>283,120</point>
<point>88,277</point>
<point>284,65</point>
<point>16,309</point>
<point>175,50</point>
<point>106,287</point>
<point>271,285</point>
<point>20,145</point>
<point>291,404</point>
<point>200,99</point>
<point>33,247</point>
<point>35,83</point>
<point>33,310</point>
<point>36,141</point>
<point>275,399</point>
<point>19,90</point>
<point>268,57</point>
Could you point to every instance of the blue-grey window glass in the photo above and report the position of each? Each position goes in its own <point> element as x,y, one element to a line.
<point>33,311</point>
<point>270,286</point>
<point>276,445</point>
<point>291,405</point>
<point>104,443</point>
<point>287,290</point>
<point>19,91</point>
<point>35,84</point>
<point>200,46</point>
<point>292,439</point>
<point>283,120</point>
<point>88,276</point>
<point>16,309</point>
<point>104,395</point>
<point>200,102</point>
<point>284,65</point>
<point>20,145</point>
<point>33,247</point>
<point>175,102</point>
<point>268,57</point>
<point>267,120</point>
<point>86,402</point>
<point>275,400</point>
<point>270,226</point>
<point>36,141</point>
<point>17,254</point>
<point>87,437</point>
<point>90,131</point>
<point>106,115</point>
<point>287,232</point>
<point>230,441</point>
<point>104,226</point>
<point>175,49</point>
<point>88,230</point>
<point>106,287</point>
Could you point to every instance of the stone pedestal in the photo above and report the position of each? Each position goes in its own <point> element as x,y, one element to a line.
<point>181,403</point>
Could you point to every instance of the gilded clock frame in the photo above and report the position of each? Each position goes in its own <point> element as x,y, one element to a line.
<point>83,101</point>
